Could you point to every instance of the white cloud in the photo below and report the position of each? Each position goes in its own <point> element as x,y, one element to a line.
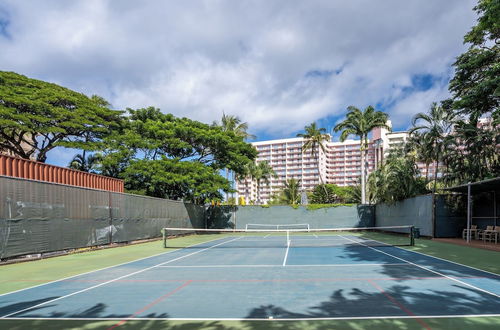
<point>248,58</point>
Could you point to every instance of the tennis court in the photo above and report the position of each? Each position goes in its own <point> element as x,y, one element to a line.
<point>268,276</point>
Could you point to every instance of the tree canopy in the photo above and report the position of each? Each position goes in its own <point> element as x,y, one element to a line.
<point>396,179</point>
<point>36,116</point>
<point>331,193</point>
<point>475,87</point>
<point>165,156</point>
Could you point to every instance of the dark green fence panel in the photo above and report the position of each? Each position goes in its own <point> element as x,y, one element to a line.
<point>328,217</point>
<point>39,217</point>
<point>416,211</point>
<point>451,215</point>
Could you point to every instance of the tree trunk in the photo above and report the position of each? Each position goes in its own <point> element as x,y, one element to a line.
<point>258,192</point>
<point>427,172</point>
<point>366,169</point>
<point>227,192</point>
<point>435,174</point>
<point>319,175</point>
<point>363,181</point>
<point>246,191</point>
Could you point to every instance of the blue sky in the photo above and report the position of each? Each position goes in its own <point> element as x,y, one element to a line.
<point>278,65</point>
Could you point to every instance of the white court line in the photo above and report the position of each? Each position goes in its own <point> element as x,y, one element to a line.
<point>267,236</point>
<point>256,319</point>
<point>286,253</point>
<point>442,259</point>
<point>453,262</point>
<point>429,270</point>
<point>116,279</point>
<point>271,266</point>
<point>118,265</point>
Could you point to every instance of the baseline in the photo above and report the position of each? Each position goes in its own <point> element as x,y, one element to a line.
<point>257,319</point>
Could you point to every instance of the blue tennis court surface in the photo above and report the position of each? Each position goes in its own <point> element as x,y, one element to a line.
<point>246,278</point>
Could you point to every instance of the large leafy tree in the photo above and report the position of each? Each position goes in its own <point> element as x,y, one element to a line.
<point>315,138</point>
<point>37,116</point>
<point>164,156</point>
<point>475,87</point>
<point>331,193</point>
<point>175,179</point>
<point>361,123</point>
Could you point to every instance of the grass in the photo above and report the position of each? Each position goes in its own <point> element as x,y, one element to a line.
<point>23,275</point>
<point>312,207</point>
<point>483,323</point>
<point>26,274</point>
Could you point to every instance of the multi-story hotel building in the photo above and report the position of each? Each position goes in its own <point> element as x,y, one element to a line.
<point>339,164</point>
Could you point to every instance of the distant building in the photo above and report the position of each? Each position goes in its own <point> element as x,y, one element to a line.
<point>25,147</point>
<point>340,164</point>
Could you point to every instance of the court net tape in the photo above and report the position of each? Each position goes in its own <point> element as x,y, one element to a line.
<point>268,226</point>
<point>288,237</point>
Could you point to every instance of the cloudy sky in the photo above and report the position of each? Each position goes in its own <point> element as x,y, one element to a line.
<point>277,65</point>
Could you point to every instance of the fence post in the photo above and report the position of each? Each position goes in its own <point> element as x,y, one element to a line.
<point>110,227</point>
<point>468,213</point>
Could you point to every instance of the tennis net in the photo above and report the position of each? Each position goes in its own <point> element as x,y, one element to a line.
<point>264,238</point>
<point>266,226</point>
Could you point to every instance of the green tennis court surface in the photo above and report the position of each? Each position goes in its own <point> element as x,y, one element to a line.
<point>267,279</point>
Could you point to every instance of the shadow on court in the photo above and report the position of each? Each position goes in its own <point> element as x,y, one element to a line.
<point>396,300</point>
<point>410,291</point>
<point>364,254</point>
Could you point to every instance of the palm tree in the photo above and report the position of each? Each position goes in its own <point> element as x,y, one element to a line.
<point>85,164</point>
<point>480,156</point>
<point>230,123</point>
<point>421,146</point>
<point>261,172</point>
<point>291,193</point>
<point>396,179</point>
<point>243,176</point>
<point>314,138</point>
<point>361,123</point>
<point>435,126</point>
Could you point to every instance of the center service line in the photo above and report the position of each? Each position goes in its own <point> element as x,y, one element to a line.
<point>286,253</point>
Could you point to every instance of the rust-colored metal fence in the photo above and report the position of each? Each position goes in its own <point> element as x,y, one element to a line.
<point>27,169</point>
